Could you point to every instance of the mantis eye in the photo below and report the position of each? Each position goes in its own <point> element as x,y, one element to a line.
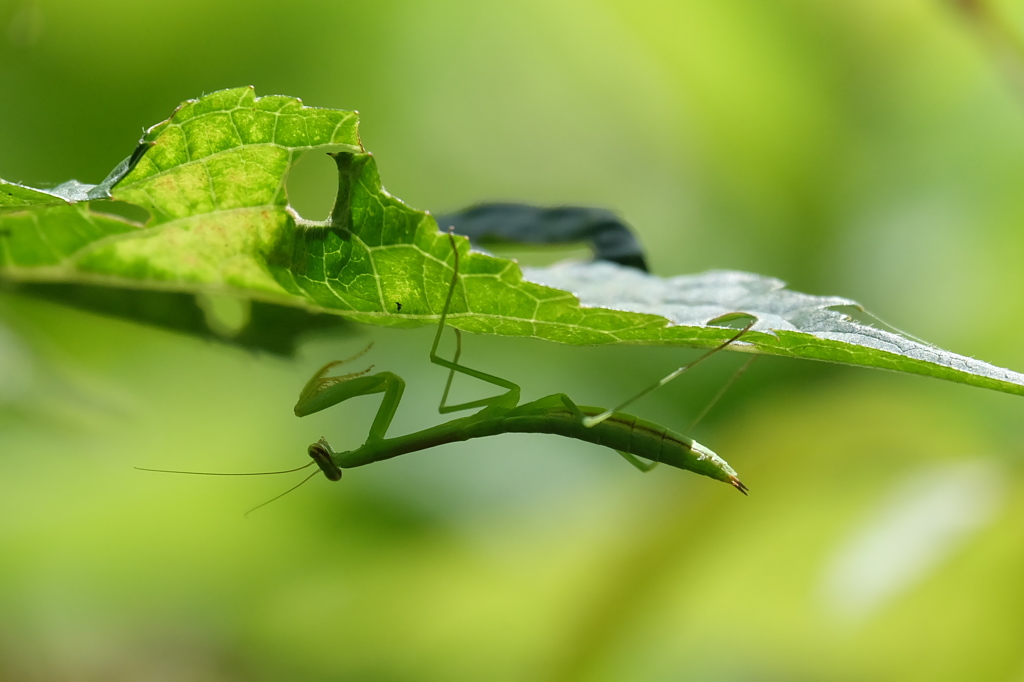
<point>320,452</point>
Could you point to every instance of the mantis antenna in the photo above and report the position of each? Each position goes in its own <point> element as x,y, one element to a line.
<point>217,473</point>
<point>250,473</point>
<point>278,497</point>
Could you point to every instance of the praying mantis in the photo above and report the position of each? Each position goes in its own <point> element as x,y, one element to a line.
<point>634,438</point>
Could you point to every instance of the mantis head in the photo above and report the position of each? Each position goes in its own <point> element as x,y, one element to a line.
<point>323,455</point>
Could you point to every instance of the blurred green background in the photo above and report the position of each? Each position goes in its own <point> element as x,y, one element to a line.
<point>873,150</point>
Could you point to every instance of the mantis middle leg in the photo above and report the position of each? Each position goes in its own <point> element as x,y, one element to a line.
<point>506,400</point>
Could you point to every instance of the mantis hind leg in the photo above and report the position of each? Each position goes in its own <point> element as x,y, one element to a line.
<point>597,419</point>
<point>507,400</point>
<point>635,461</point>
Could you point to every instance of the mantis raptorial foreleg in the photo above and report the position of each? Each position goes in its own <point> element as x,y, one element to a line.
<point>506,400</point>
<point>323,391</point>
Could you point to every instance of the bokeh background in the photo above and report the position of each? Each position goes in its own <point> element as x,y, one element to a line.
<point>872,149</point>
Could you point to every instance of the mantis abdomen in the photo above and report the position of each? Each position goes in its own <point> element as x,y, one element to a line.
<point>626,433</point>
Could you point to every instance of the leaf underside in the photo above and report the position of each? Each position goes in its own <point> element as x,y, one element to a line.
<point>212,181</point>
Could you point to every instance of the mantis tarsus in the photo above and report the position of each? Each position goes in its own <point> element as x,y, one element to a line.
<point>630,436</point>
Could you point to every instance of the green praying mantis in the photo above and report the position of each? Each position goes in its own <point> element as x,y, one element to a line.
<point>634,438</point>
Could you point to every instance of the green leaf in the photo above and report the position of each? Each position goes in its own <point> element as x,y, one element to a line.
<point>797,325</point>
<point>212,180</point>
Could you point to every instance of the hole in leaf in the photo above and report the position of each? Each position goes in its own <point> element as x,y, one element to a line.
<point>312,184</point>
